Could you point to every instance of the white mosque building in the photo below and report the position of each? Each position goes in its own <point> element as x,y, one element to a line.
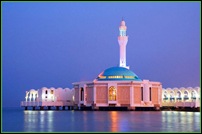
<point>115,87</point>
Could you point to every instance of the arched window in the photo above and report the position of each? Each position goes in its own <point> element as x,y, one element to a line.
<point>35,97</point>
<point>165,96</point>
<point>172,97</point>
<point>186,95</point>
<point>82,94</point>
<point>193,95</point>
<point>179,95</point>
<point>112,93</point>
<point>32,97</point>
<point>29,98</point>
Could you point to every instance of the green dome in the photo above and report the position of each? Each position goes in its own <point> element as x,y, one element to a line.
<point>117,73</point>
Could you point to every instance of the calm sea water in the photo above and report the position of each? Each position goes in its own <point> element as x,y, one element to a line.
<point>18,120</point>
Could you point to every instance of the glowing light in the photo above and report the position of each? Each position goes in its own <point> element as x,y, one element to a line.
<point>102,77</point>
<point>112,77</point>
<point>112,93</point>
<point>129,77</point>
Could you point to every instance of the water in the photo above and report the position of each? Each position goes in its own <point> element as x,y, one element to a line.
<point>18,120</point>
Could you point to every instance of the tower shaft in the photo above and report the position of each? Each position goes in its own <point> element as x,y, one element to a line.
<point>122,40</point>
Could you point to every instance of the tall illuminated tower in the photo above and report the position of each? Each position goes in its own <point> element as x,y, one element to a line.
<point>123,40</point>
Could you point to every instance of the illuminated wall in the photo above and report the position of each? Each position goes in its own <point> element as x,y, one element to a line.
<point>49,95</point>
<point>137,94</point>
<point>119,93</point>
<point>101,94</point>
<point>123,94</point>
<point>181,97</point>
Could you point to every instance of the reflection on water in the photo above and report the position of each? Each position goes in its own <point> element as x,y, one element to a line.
<point>180,121</point>
<point>114,121</point>
<point>101,121</point>
<point>38,120</point>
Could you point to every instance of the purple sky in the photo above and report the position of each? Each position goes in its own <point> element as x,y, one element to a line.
<point>53,44</point>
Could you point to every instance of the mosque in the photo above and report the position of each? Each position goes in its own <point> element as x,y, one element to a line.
<point>115,87</point>
<point>118,86</point>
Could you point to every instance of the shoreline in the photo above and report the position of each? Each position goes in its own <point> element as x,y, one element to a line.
<point>180,109</point>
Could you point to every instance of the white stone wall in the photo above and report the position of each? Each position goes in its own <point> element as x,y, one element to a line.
<point>50,95</point>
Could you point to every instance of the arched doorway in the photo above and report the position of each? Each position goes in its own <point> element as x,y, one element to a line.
<point>112,93</point>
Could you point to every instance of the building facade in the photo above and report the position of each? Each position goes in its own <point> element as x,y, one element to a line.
<point>116,93</point>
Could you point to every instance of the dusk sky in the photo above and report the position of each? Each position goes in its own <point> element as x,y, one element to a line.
<point>53,44</point>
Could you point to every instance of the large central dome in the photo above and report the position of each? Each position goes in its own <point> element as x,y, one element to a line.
<point>118,73</point>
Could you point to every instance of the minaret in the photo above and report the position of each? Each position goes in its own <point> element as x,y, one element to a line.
<point>123,40</point>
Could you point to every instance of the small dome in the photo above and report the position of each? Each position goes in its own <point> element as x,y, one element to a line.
<point>118,73</point>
